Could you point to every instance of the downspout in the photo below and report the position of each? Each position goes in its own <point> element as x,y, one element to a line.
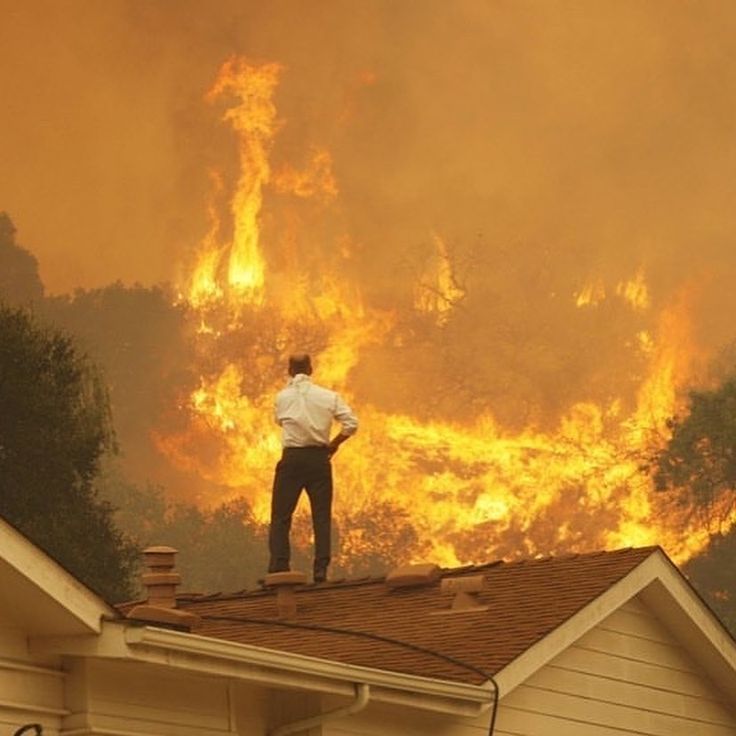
<point>362,696</point>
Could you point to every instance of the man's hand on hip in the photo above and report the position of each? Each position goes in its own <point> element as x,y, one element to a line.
<point>335,442</point>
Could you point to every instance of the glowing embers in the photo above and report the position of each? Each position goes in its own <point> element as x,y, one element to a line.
<point>314,180</point>
<point>634,292</point>
<point>591,295</point>
<point>438,292</point>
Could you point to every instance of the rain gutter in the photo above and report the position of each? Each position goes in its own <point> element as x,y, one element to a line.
<point>296,670</point>
<point>362,696</point>
<point>246,662</point>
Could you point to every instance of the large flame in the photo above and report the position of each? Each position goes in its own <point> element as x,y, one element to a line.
<point>438,292</point>
<point>470,491</point>
<point>253,116</point>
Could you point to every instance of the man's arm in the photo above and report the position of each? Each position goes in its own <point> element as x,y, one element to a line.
<point>348,424</point>
<point>277,411</point>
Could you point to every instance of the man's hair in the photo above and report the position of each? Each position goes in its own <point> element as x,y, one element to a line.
<point>300,363</point>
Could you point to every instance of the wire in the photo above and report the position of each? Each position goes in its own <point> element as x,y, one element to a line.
<point>374,637</point>
<point>35,726</point>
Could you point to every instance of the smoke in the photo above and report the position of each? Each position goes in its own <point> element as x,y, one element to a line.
<point>550,146</point>
<point>602,130</point>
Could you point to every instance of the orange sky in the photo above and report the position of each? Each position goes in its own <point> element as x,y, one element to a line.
<point>558,151</point>
<point>602,131</point>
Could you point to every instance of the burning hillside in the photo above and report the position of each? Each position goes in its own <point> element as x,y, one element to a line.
<point>473,486</point>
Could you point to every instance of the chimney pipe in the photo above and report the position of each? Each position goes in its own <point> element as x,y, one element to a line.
<point>161,582</point>
<point>285,582</point>
<point>464,589</point>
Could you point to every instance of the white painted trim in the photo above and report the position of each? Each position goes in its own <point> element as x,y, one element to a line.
<point>51,580</point>
<point>96,731</point>
<point>232,717</point>
<point>362,698</point>
<point>204,645</point>
<point>192,644</point>
<point>268,667</point>
<point>671,598</point>
<point>694,625</point>
<point>15,666</point>
<point>30,708</point>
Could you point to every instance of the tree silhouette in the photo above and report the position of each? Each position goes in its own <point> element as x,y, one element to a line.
<point>54,428</point>
<point>698,465</point>
<point>19,279</point>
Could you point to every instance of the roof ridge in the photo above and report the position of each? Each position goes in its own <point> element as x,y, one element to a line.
<point>264,590</point>
<point>342,583</point>
<point>552,557</point>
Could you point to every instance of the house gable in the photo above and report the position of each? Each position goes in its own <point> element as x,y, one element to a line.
<point>659,586</point>
<point>39,596</point>
<point>628,674</point>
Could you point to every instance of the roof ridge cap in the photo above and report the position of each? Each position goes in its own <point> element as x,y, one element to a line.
<point>378,579</point>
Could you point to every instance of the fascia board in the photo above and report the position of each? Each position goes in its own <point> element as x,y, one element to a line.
<point>315,673</point>
<point>57,601</point>
<point>696,627</point>
<point>664,588</point>
<point>268,667</point>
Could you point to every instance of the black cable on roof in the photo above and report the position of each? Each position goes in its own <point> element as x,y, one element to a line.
<point>37,727</point>
<point>375,637</point>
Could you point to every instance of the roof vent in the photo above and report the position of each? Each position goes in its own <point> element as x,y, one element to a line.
<point>161,582</point>
<point>409,576</point>
<point>285,582</point>
<point>464,589</point>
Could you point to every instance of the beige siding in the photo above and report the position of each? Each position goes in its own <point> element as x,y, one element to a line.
<point>31,689</point>
<point>111,696</point>
<point>626,676</point>
<point>385,720</point>
<point>289,706</point>
<point>250,708</point>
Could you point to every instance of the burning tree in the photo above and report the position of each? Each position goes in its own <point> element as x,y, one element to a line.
<point>469,486</point>
<point>698,464</point>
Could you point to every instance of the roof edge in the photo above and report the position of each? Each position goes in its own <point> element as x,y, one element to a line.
<point>46,579</point>
<point>666,590</point>
<point>687,615</point>
<point>269,667</point>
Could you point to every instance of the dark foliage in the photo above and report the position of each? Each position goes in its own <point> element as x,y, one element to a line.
<point>713,573</point>
<point>698,464</point>
<point>135,335</point>
<point>54,428</point>
<point>19,279</point>
<point>697,468</point>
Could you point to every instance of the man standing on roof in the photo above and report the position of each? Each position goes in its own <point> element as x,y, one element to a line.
<point>305,413</point>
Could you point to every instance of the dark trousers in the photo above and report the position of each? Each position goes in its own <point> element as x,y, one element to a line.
<point>301,468</point>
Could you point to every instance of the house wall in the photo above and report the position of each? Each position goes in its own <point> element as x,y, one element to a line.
<point>31,688</point>
<point>124,698</point>
<point>109,697</point>
<point>626,676</point>
<point>387,720</point>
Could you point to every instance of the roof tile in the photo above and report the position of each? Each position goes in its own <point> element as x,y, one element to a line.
<point>525,602</point>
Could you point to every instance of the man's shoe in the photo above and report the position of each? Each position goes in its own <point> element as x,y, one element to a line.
<point>279,566</point>
<point>320,576</point>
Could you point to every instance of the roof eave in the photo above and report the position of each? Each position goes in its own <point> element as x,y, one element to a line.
<point>662,587</point>
<point>269,667</point>
<point>46,598</point>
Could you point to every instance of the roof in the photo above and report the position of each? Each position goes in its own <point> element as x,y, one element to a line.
<point>39,595</point>
<point>520,604</point>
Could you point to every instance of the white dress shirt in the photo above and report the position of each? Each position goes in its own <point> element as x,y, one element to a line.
<point>306,411</point>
